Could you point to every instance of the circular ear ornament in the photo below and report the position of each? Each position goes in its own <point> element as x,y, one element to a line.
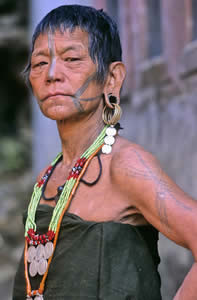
<point>111,116</point>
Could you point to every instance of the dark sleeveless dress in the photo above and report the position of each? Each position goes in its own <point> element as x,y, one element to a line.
<point>97,260</point>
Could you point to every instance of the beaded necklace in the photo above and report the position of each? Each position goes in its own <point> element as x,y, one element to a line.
<point>39,249</point>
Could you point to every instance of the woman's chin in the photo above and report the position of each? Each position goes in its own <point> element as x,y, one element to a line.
<point>58,113</point>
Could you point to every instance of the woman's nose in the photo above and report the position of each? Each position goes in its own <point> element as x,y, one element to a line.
<point>54,72</point>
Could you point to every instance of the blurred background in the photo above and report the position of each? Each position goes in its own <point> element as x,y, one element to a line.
<point>159,39</point>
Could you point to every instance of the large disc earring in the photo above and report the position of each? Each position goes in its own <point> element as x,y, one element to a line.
<point>111,116</point>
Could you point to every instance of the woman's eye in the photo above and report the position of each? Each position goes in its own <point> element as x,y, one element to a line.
<point>71,59</point>
<point>40,64</point>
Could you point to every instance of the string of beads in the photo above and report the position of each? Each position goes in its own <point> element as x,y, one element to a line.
<point>33,239</point>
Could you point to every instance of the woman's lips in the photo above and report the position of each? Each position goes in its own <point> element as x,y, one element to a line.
<point>55,95</point>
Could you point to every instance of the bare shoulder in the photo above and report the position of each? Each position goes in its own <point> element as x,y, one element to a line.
<point>135,172</point>
<point>157,197</point>
<point>132,160</point>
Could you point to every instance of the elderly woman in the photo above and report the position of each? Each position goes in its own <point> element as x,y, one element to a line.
<point>91,228</point>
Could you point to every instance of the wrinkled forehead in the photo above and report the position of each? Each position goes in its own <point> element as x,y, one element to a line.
<point>77,37</point>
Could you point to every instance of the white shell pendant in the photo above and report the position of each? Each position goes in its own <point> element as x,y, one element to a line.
<point>31,254</point>
<point>109,140</point>
<point>40,252</point>
<point>106,149</point>
<point>48,250</point>
<point>42,266</point>
<point>40,297</point>
<point>33,268</point>
<point>37,257</point>
<point>111,131</point>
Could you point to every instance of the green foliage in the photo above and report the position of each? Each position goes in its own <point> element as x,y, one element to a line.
<point>14,155</point>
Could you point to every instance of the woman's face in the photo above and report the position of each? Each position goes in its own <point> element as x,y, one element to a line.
<point>62,75</point>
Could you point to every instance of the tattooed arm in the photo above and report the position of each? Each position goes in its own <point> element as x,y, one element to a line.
<point>162,203</point>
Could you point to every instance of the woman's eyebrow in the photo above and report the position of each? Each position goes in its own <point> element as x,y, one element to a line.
<point>72,47</point>
<point>40,53</point>
<point>36,53</point>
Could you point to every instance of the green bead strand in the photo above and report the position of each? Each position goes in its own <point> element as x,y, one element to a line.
<point>35,199</point>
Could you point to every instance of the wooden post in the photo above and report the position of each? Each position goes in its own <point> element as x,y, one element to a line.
<point>175,33</point>
<point>101,4</point>
<point>133,31</point>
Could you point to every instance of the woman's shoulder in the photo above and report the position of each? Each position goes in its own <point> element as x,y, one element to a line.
<point>130,160</point>
<point>129,152</point>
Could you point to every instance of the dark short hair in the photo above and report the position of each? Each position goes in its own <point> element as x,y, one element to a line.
<point>104,40</point>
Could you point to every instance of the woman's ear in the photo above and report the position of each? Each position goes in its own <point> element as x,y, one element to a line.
<point>114,81</point>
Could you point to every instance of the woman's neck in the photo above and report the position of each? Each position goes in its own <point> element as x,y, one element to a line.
<point>77,136</point>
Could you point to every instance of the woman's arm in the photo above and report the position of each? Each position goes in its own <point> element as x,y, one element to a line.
<point>188,289</point>
<point>162,203</point>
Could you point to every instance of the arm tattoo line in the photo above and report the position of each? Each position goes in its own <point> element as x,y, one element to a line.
<point>163,189</point>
